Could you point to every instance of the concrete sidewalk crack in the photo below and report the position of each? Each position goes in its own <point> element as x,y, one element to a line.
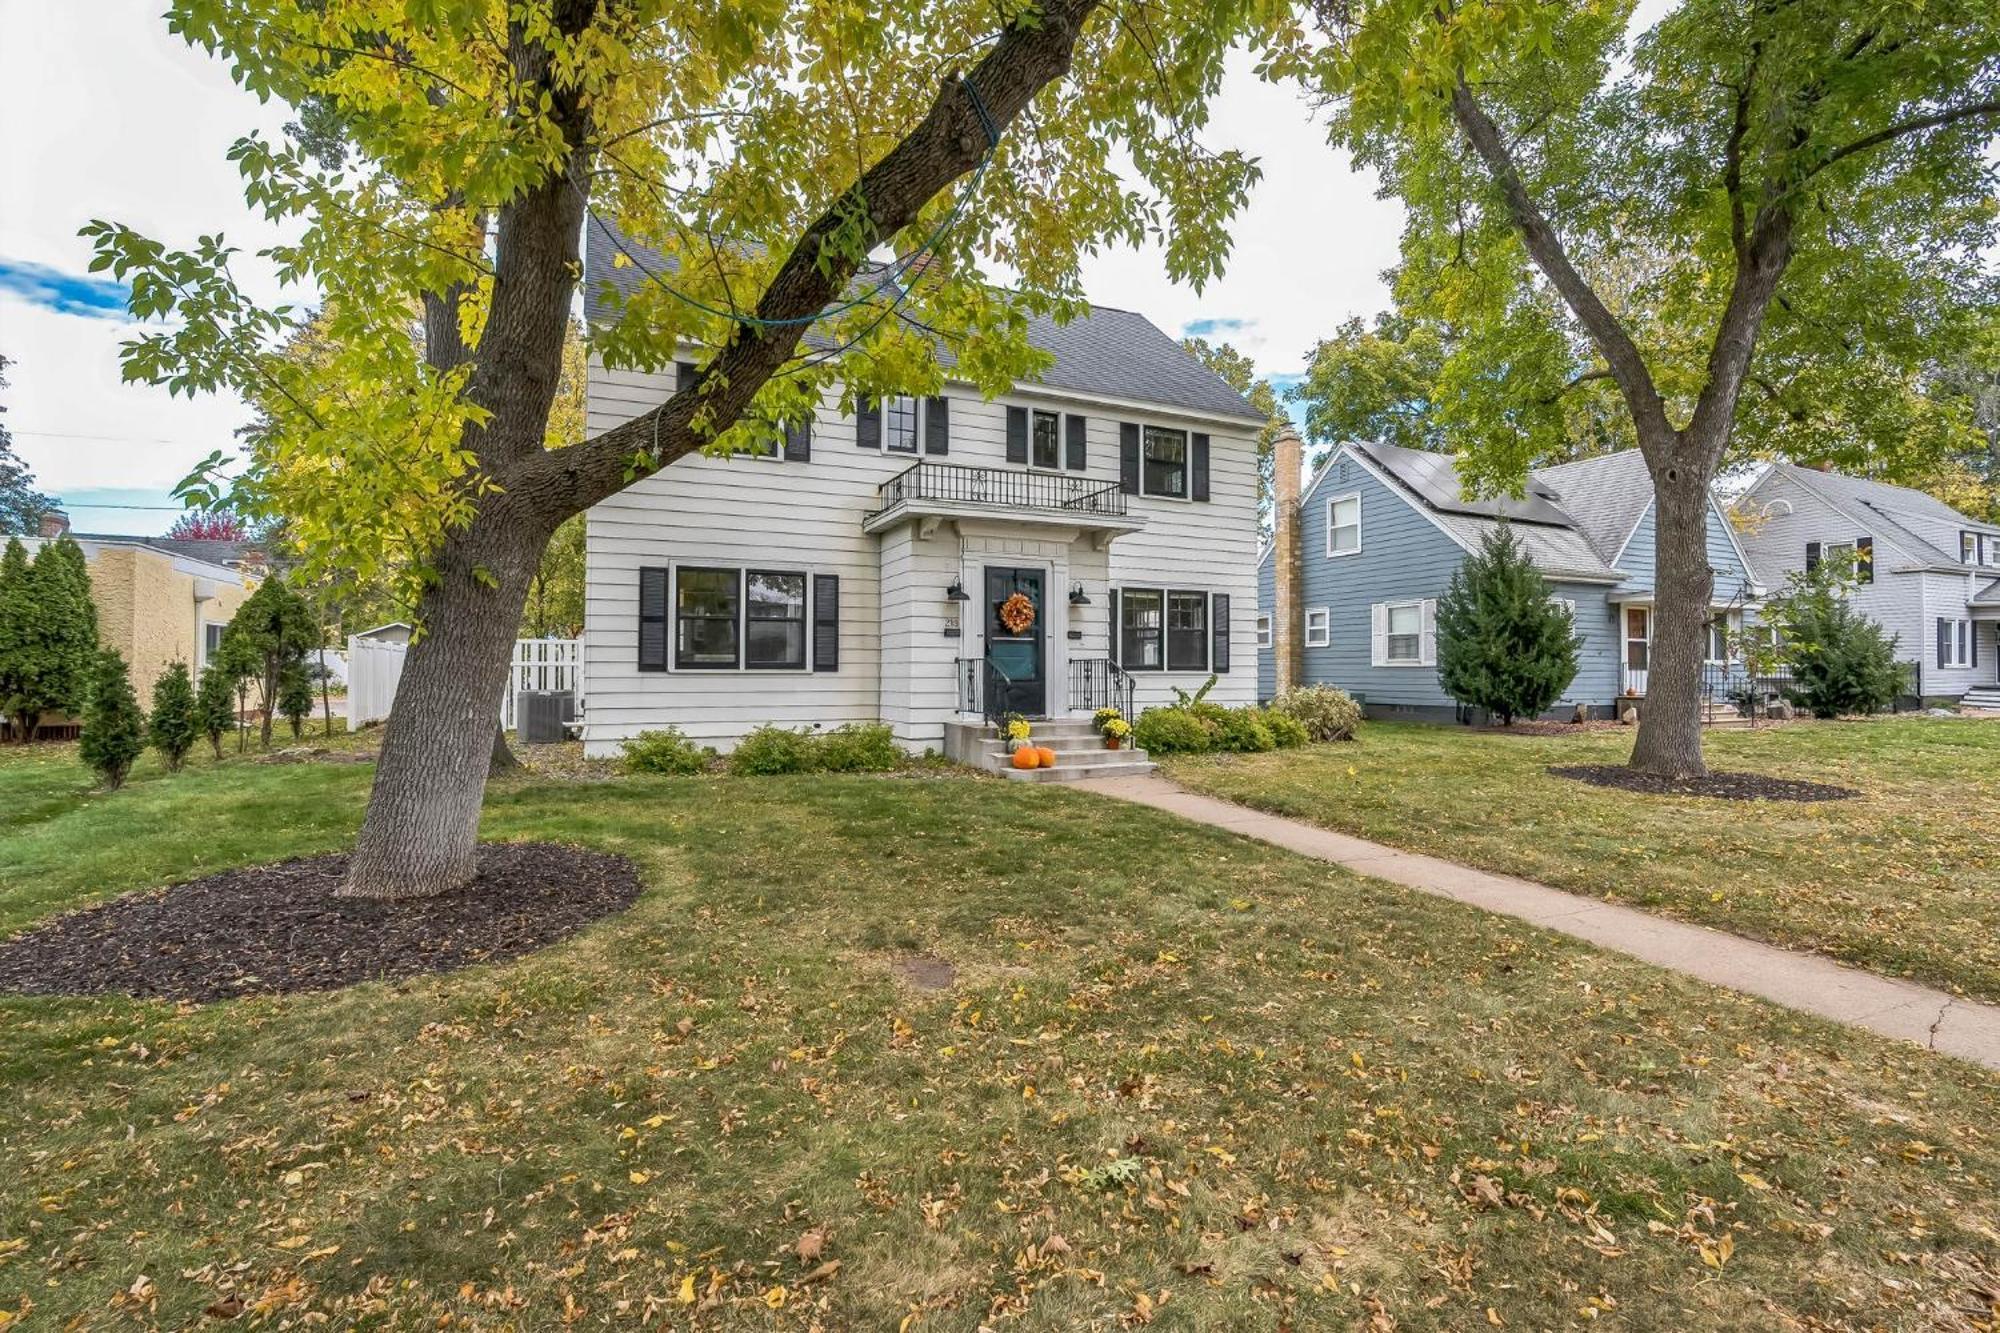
<point>1938,1022</point>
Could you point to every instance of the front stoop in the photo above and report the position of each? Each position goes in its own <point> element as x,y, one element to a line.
<point>1080,752</point>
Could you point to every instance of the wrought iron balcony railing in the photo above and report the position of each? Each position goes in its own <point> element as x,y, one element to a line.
<point>1001,489</point>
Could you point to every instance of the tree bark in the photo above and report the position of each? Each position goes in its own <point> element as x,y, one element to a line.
<point>502,759</point>
<point>1669,739</point>
<point>420,833</point>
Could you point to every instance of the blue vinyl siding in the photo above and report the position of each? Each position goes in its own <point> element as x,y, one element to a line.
<point>1405,557</point>
<point>1267,600</point>
<point>1638,560</point>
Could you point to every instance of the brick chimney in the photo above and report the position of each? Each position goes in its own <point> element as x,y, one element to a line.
<point>1288,615</point>
<point>54,524</point>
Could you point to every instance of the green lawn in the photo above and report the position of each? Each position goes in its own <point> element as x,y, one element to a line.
<point>1182,1078</point>
<point>1904,880</point>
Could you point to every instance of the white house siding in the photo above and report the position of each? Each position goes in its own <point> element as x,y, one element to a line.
<point>1945,597</point>
<point>896,663</point>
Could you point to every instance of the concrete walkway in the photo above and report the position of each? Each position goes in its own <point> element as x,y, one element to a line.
<point>1901,1009</point>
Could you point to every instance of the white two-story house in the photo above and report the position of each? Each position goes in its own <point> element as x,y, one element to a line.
<point>1087,539</point>
<point>1925,572</point>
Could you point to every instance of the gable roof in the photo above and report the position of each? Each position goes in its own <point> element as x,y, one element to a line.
<point>1986,596</point>
<point>229,553</point>
<point>1902,508</point>
<point>1606,496</point>
<point>1550,538</point>
<point>1103,352</point>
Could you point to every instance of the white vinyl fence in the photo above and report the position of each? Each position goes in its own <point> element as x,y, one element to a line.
<point>374,667</point>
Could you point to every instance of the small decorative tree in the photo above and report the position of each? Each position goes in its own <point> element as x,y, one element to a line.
<point>271,631</point>
<point>114,730</point>
<point>16,634</point>
<point>295,694</point>
<point>215,704</point>
<point>1841,661</point>
<point>48,633</point>
<point>1503,643</point>
<point>173,728</point>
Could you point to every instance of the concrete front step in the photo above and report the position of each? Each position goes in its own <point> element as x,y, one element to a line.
<point>1982,698</point>
<point>1112,764</point>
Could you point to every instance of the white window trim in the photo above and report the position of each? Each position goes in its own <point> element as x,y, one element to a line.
<point>1962,631</point>
<point>917,414</point>
<point>1166,592</point>
<point>1732,623</point>
<point>1323,636</point>
<point>1264,637</point>
<point>1187,464</point>
<point>1062,443</point>
<point>742,618</point>
<point>1355,496</point>
<point>1379,636</point>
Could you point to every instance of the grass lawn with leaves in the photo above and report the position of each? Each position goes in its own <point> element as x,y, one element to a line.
<point>1180,1079</point>
<point>1903,880</point>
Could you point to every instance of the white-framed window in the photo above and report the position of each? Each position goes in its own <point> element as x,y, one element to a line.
<point>1720,626</point>
<point>1319,627</point>
<point>211,641</point>
<point>1968,548</point>
<point>1163,462</point>
<point>1045,439</point>
<point>1163,629</point>
<point>1343,525</point>
<point>1263,631</point>
<point>899,424</point>
<point>1403,633</point>
<point>728,619</point>
<point>1954,643</point>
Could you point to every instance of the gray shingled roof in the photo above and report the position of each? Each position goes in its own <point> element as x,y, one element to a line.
<point>1888,502</point>
<point>214,552</point>
<point>1606,496</point>
<point>1104,352</point>
<point>1988,595</point>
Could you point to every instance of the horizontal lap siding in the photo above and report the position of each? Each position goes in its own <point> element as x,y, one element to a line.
<point>1637,562</point>
<point>1267,601</point>
<point>1597,679</point>
<point>759,513</point>
<point>1210,546</point>
<point>1945,596</point>
<point>1403,557</point>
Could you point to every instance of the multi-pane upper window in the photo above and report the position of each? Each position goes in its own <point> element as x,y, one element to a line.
<point>1406,632</point>
<point>899,425</point>
<point>1140,615</point>
<point>1164,466</point>
<point>1187,631</point>
<point>1343,525</point>
<point>1046,440</point>
<point>706,602</point>
<point>775,628</point>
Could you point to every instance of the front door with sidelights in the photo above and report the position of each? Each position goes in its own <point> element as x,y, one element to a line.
<point>1015,677</point>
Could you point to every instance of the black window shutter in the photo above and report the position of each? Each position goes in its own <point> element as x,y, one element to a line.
<point>1944,643</point>
<point>1017,434</point>
<point>798,441</point>
<point>1128,457</point>
<point>826,622</point>
<point>868,424</point>
<point>684,373</point>
<point>1112,597</point>
<point>1864,559</point>
<point>1199,466</point>
<point>653,619</point>
<point>1812,556</point>
<point>1079,457</point>
<point>937,426</point>
<point>1218,629</point>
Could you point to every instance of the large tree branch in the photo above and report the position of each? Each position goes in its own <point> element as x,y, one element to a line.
<point>946,145</point>
<point>1914,125</point>
<point>1620,353</point>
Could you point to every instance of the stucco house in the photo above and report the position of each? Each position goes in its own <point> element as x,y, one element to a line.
<point>1925,572</point>
<point>158,600</point>
<point>1347,591</point>
<point>865,570</point>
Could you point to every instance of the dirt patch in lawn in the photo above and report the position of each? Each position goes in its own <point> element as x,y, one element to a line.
<point>925,971</point>
<point>1722,786</point>
<point>279,928</point>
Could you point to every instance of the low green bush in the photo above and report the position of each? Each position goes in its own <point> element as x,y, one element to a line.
<point>1173,731</point>
<point>1285,729</point>
<point>666,751</point>
<point>771,749</point>
<point>1242,731</point>
<point>859,747</point>
<point>1328,714</point>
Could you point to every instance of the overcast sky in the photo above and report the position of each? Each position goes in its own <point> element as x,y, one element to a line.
<point>103,114</point>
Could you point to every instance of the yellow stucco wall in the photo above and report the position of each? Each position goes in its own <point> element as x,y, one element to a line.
<point>146,609</point>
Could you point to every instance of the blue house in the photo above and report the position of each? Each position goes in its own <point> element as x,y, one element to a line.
<point>1380,531</point>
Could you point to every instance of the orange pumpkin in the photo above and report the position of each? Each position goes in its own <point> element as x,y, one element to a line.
<point>1027,757</point>
<point>1047,756</point>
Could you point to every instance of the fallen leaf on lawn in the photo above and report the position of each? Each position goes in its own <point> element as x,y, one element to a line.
<point>775,1298</point>
<point>810,1245</point>
<point>823,1272</point>
<point>687,1290</point>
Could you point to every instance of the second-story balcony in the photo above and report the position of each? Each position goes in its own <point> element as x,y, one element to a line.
<point>954,490</point>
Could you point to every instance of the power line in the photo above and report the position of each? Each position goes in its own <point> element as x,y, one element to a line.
<point>110,439</point>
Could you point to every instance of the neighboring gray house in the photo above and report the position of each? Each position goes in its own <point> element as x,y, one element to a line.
<point>1926,573</point>
<point>860,573</point>
<point>1382,529</point>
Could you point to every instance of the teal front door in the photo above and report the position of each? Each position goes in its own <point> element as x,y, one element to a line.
<point>1015,676</point>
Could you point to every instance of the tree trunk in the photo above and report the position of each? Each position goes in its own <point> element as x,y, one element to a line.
<point>503,760</point>
<point>1669,740</point>
<point>421,832</point>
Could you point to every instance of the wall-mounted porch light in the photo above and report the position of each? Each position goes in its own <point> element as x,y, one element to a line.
<point>1078,597</point>
<point>956,592</point>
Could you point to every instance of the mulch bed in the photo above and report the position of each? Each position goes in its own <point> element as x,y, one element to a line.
<point>278,929</point>
<point>1723,786</point>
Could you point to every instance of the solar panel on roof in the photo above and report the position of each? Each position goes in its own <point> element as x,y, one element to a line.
<point>1433,478</point>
